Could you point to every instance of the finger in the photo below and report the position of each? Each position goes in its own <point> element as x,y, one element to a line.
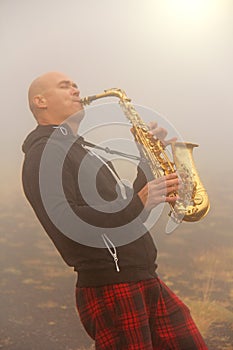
<point>165,190</point>
<point>172,189</point>
<point>163,179</point>
<point>171,199</point>
<point>168,199</point>
<point>174,181</point>
<point>170,141</point>
<point>152,125</point>
<point>159,133</point>
<point>167,177</point>
<point>171,176</point>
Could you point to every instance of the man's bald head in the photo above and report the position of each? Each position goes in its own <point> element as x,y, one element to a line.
<point>53,97</point>
<point>38,87</point>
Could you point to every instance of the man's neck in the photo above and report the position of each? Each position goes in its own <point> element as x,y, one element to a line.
<point>73,123</point>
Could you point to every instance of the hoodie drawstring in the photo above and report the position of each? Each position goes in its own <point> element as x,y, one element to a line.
<point>62,129</point>
<point>119,182</point>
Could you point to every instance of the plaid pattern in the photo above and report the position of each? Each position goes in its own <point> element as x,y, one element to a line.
<point>141,315</point>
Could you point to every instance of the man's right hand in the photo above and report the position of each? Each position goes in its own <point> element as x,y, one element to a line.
<point>158,190</point>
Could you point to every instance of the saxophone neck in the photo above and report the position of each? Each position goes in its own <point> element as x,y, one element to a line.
<point>115,92</point>
<point>124,102</point>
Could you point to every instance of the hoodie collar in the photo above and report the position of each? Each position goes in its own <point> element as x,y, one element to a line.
<point>61,132</point>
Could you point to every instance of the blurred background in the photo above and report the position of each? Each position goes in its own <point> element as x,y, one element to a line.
<point>170,56</point>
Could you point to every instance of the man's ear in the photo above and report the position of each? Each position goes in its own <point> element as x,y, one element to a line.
<point>40,101</point>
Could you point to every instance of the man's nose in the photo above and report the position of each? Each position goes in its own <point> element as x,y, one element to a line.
<point>75,91</point>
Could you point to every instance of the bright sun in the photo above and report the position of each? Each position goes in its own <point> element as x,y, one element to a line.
<point>191,8</point>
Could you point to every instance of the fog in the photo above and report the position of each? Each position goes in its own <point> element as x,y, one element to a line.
<point>171,57</point>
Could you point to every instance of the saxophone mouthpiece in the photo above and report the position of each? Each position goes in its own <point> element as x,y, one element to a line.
<point>87,100</point>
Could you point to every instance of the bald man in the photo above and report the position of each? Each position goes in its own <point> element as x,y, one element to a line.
<point>79,199</point>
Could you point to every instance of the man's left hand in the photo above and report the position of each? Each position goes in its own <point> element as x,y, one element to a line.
<point>160,133</point>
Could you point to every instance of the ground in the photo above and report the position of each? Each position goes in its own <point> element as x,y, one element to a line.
<point>37,288</point>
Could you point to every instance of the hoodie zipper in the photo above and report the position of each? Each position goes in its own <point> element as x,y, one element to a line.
<point>111,249</point>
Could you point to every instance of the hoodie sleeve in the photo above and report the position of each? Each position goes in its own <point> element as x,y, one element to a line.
<point>144,175</point>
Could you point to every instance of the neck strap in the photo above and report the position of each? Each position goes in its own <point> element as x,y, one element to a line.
<point>108,150</point>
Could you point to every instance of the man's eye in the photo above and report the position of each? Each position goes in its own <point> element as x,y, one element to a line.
<point>64,86</point>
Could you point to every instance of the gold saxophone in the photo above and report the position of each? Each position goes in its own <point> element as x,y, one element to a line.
<point>193,203</point>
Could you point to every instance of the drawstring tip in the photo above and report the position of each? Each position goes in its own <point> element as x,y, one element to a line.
<point>116,263</point>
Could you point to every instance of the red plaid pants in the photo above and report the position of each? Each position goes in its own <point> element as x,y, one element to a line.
<point>141,315</point>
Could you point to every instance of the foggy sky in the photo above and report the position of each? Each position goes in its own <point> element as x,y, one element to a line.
<point>168,57</point>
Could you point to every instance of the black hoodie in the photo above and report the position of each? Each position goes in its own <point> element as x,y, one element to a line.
<point>117,221</point>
